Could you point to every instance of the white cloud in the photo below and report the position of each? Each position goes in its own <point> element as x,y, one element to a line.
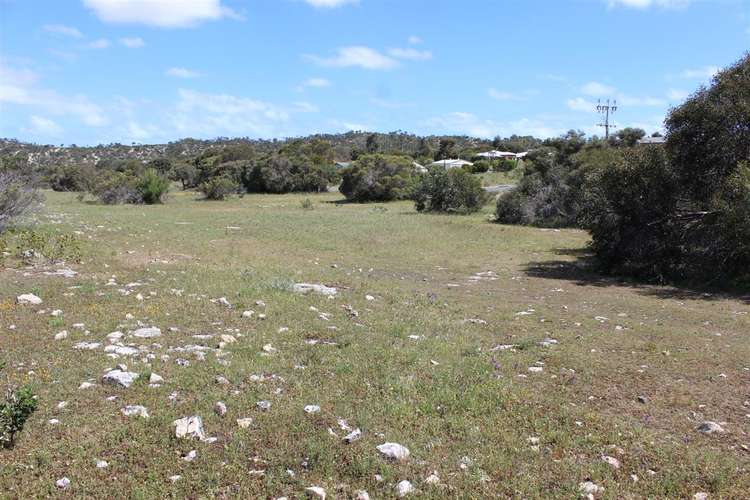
<point>330,3</point>
<point>161,13</point>
<point>470,124</point>
<point>44,127</point>
<point>677,94</point>
<point>627,100</point>
<point>305,107</point>
<point>182,73</point>
<point>18,87</point>
<point>411,54</point>
<point>205,114</point>
<point>705,72</point>
<point>415,40</point>
<point>101,43</point>
<point>61,29</point>
<point>500,95</point>
<point>597,89</point>
<point>132,43</point>
<point>581,104</point>
<point>316,83</point>
<point>356,56</point>
<point>645,4</point>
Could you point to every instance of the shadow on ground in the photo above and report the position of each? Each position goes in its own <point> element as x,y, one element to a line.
<point>583,272</point>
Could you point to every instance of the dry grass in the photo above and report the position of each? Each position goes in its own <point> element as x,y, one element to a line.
<point>671,348</point>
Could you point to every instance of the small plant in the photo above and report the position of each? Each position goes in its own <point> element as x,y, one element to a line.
<point>152,187</point>
<point>306,204</point>
<point>34,244</point>
<point>19,404</point>
<point>218,188</point>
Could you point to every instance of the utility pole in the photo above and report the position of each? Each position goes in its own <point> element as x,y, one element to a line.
<point>606,109</point>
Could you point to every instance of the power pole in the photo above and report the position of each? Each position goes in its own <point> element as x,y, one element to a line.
<point>606,109</point>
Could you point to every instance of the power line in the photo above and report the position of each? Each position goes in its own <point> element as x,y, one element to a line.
<point>606,109</point>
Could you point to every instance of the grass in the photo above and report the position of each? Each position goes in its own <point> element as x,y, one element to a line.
<point>447,395</point>
<point>495,178</point>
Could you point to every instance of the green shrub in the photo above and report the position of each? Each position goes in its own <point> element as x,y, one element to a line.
<point>479,167</point>
<point>76,178</point>
<point>152,187</point>
<point>453,190</point>
<point>505,165</point>
<point>218,188</point>
<point>19,404</point>
<point>113,188</point>
<point>285,174</point>
<point>307,204</point>
<point>378,178</point>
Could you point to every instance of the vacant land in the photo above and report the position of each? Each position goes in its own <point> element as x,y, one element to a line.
<point>506,368</point>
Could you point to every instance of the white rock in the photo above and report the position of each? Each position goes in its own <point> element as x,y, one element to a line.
<point>220,408</point>
<point>122,350</point>
<point>189,427</point>
<point>247,314</point>
<point>404,488</point>
<point>175,478</point>
<point>369,298</point>
<point>309,287</point>
<point>536,369</point>
<point>61,335</point>
<point>269,349</point>
<point>147,333</point>
<point>312,409</point>
<point>244,423</point>
<point>394,451</point>
<point>63,483</point>
<point>61,405</point>
<point>316,492</point>
<point>119,378</point>
<point>53,421</point>
<point>589,488</point>
<point>56,312</point>
<point>361,495</point>
<point>612,461</point>
<point>87,346</point>
<point>263,405</point>
<point>700,496</point>
<point>221,380</point>
<point>432,478</point>
<point>135,411</point>
<point>155,379</point>
<point>86,385</point>
<point>190,456</point>
<point>102,464</point>
<point>710,428</point>
<point>30,299</point>
<point>353,436</point>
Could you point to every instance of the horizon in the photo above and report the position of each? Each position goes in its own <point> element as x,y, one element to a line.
<point>96,72</point>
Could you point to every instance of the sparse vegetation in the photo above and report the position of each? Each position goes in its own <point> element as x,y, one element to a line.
<point>453,190</point>
<point>15,410</point>
<point>18,197</point>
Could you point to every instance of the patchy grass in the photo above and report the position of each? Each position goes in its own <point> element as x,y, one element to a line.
<point>495,178</point>
<point>446,395</point>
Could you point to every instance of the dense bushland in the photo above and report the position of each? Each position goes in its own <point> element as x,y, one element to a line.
<point>453,190</point>
<point>378,177</point>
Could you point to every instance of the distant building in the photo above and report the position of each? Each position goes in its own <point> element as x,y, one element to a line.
<point>494,155</point>
<point>420,169</point>
<point>652,140</point>
<point>343,164</point>
<point>448,164</point>
<point>521,156</point>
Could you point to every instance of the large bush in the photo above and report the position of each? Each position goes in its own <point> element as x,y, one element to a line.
<point>281,174</point>
<point>683,213</point>
<point>114,187</point>
<point>378,178</point>
<point>453,190</point>
<point>18,197</point>
<point>218,188</point>
<point>152,187</point>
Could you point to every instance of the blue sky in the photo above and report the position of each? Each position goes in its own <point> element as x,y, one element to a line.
<point>98,71</point>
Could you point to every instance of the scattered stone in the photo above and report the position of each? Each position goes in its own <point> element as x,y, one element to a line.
<point>190,456</point>
<point>369,298</point>
<point>612,461</point>
<point>61,405</point>
<point>33,300</point>
<point>589,488</point>
<point>700,496</point>
<point>361,495</point>
<point>135,411</point>
<point>308,287</point>
<point>220,409</point>
<point>56,313</point>
<point>175,478</point>
<point>316,492</point>
<point>394,451</point>
<point>102,464</point>
<point>312,409</point>
<point>63,483</point>
<point>87,346</point>
<point>62,335</point>
<point>432,479</point>
<point>53,421</point>
<point>248,314</point>
<point>642,399</point>
<point>536,369</point>
<point>122,350</point>
<point>353,436</point>
<point>189,427</point>
<point>268,348</point>
<point>155,379</point>
<point>404,488</point>
<point>86,385</point>
<point>147,333</point>
<point>244,423</point>
<point>710,428</point>
<point>263,405</point>
<point>119,378</point>
<point>221,380</point>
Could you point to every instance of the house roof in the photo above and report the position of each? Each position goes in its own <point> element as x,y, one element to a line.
<point>652,140</point>
<point>457,162</point>
<point>496,154</point>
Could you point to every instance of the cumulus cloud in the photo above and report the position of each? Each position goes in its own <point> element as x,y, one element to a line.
<point>61,29</point>
<point>44,127</point>
<point>132,43</point>
<point>356,56</point>
<point>316,83</point>
<point>581,104</point>
<point>703,73</point>
<point>597,89</point>
<point>182,73</point>
<point>414,40</point>
<point>411,54</point>
<point>467,123</point>
<point>645,4</point>
<point>677,94</point>
<point>500,95</point>
<point>160,13</point>
<point>101,43</point>
<point>330,3</point>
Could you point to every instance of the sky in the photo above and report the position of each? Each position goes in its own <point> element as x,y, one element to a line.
<point>151,71</point>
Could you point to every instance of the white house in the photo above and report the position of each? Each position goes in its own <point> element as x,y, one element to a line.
<point>448,164</point>
<point>493,155</point>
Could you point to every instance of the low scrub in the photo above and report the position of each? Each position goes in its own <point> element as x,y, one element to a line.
<point>18,197</point>
<point>218,188</point>
<point>378,178</point>
<point>17,407</point>
<point>453,190</point>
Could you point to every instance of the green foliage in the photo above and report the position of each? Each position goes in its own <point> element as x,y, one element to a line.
<point>505,165</point>
<point>378,178</point>
<point>48,245</point>
<point>152,187</point>
<point>479,167</point>
<point>446,149</point>
<point>112,188</point>
<point>76,178</point>
<point>18,406</point>
<point>282,174</point>
<point>684,212</point>
<point>453,190</point>
<point>186,174</point>
<point>218,188</point>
